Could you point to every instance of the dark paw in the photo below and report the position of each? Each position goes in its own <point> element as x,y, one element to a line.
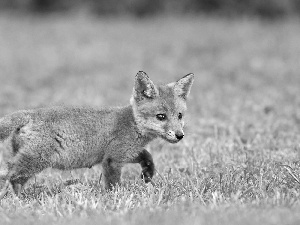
<point>146,176</point>
<point>148,172</point>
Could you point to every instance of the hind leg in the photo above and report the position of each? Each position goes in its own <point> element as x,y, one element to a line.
<point>17,186</point>
<point>22,167</point>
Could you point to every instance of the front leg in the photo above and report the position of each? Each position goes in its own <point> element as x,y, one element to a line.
<point>145,159</point>
<point>111,172</point>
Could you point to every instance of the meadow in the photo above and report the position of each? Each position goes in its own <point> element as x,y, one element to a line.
<point>239,160</point>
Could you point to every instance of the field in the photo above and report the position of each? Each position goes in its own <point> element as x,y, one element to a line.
<point>239,162</point>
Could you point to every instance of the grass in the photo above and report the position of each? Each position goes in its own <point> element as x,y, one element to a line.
<point>239,161</point>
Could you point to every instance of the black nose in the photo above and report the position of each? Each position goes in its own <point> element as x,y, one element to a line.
<point>179,136</point>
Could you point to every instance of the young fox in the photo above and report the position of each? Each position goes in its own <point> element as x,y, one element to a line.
<point>68,138</point>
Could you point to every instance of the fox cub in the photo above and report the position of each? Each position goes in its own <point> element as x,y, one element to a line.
<point>68,138</point>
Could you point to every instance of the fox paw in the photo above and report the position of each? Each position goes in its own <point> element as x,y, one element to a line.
<point>146,177</point>
<point>148,172</point>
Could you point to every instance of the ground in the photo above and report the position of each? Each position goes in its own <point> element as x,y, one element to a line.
<point>239,160</point>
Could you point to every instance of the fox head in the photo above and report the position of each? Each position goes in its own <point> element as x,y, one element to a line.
<point>160,110</point>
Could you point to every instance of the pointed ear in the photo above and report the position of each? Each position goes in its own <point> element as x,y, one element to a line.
<point>144,87</point>
<point>183,86</point>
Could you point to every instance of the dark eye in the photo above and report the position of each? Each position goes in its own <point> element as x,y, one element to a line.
<point>180,116</point>
<point>161,117</point>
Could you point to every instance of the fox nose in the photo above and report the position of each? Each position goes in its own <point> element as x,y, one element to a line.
<point>179,136</point>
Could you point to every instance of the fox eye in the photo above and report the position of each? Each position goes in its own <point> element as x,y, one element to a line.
<point>180,116</point>
<point>161,117</point>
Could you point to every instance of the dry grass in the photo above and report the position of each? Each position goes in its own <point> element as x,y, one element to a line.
<point>239,161</point>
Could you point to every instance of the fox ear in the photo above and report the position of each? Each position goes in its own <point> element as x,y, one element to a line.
<point>183,86</point>
<point>144,87</point>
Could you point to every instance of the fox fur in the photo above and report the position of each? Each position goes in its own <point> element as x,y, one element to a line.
<point>73,137</point>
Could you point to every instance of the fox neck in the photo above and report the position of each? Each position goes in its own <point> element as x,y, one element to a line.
<point>141,131</point>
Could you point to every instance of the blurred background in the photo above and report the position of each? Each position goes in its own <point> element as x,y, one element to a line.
<point>142,8</point>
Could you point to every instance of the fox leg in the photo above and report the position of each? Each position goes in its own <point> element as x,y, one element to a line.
<point>22,167</point>
<point>144,158</point>
<point>112,172</point>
